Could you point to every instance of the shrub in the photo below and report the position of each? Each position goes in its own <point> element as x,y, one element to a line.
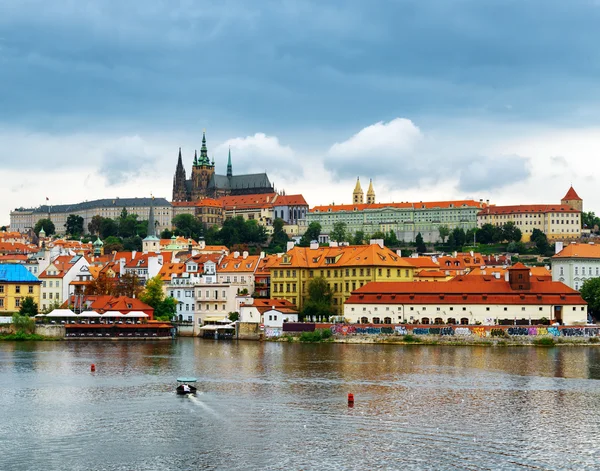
<point>544,342</point>
<point>594,339</point>
<point>318,335</point>
<point>411,339</point>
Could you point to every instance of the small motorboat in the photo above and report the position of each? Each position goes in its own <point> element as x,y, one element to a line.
<point>185,386</point>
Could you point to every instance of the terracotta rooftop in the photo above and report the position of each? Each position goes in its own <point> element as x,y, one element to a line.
<point>407,205</point>
<point>571,195</point>
<point>528,208</point>
<point>576,250</point>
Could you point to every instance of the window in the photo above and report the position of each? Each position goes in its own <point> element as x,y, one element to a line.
<point>18,302</point>
<point>43,295</point>
<point>187,307</point>
<point>523,308</point>
<point>1,289</point>
<point>487,308</point>
<point>31,287</point>
<point>2,303</point>
<point>49,295</point>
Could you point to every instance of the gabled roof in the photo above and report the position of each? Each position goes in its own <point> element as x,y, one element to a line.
<point>290,200</point>
<point>231,264</point>
<point>571,195</point>
<point>261,200</point>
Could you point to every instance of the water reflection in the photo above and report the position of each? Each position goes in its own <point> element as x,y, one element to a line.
<point>283,406</point>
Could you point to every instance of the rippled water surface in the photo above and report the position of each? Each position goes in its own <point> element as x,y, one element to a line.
<point>283,406</point>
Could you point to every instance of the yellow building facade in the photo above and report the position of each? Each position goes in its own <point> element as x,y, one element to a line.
<point>345,269</point>
<point>16,283</point>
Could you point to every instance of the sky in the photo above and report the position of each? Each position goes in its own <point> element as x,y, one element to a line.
<point>431,99</point>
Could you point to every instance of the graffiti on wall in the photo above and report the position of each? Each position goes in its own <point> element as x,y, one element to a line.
<point>271,332</point>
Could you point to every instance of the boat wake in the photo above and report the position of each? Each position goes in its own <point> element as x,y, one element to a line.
<point>206,407</point>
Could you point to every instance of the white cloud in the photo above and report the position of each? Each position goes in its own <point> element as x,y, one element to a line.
<point>259,153</point>
<point>126,158</point>
<point>381,147</point>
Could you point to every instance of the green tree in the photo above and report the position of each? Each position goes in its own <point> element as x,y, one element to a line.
<point>74,225</point>
<point>28,307</point>
<point>108,228</point>
<point>591,221</point>
<point>51,307</point>
<point>485,235</point>
<point>279,239</point>
<point>233,316</point>
<point>444,232</point>
<point>95,224</point>
<point>113,244</point>
<point>318,303</point>
<point>541,242</point>
<point>24,324</point>
<point>391,240</point>
<point>421,247</point>
<point>590,292</point>
<point>132,243</point>
<point>128,225</point>
<point>47,225</point>
<point>358,238</point>
<point>511,233</point>
<point>338,233</point>
<point>166,234</point>
<point>188,226</point>
<point>459,237</point>
<point>313,231</point>
<point>378,235</point>
<point>153,295</point>
<point>471,235</point>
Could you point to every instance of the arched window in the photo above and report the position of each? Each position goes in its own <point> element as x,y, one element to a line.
<point>364,320</point>
<point>464,321</point>
<point>439,320</point>
<point>425,320</point>
<point>376,320</point>
<point>451,320</point>
<point>387,320</point>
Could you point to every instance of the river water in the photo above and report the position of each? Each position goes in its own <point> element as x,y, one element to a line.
<point>283,406</point>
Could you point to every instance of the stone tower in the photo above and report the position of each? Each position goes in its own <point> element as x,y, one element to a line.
<point>358,196</point>
<point>371,193</point>
<point>572,199</point>
<point>179,190</point>
<point>202,172</point>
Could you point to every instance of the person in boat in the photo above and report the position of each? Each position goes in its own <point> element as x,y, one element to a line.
<point>186,388</point>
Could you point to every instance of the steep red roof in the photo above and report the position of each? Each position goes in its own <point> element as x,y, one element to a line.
<point>290,200</point>
<point>528,208</point>
<point>571,195</point>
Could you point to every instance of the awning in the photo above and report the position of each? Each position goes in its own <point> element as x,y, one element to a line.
<point>215,319</point>
<point>89,314</point>
<point>136,314</point>
<point>62,313</point>
<point>112,314</point>
<point>217,327</point>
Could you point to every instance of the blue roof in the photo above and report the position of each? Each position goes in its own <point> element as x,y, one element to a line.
<point>15,273</point>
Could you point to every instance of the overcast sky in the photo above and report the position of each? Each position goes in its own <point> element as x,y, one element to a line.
<point>432,99</point>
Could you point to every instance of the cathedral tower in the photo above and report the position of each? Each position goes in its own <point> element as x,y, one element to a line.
<point>572,199</point>
<point>179,190</point>
<point>371,193</point>
<point>358,196</point>
<point>202,172</point>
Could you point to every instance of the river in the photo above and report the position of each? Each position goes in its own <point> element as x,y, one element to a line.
<point>284,406</point>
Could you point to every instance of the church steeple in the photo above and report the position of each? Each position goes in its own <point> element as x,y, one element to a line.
<point>179,191</point>
<point>204,160</point>
<point>358,196</point>
<point>371,193</point>
<point>229,167</point>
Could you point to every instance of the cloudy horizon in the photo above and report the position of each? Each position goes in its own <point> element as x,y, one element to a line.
<point>433,100</point>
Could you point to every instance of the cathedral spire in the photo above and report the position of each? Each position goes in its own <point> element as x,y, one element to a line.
<point>371,193</point>
<point>179,192</point>
<point>195,158</point>
<point>229,167</point>
<point>203,150</point>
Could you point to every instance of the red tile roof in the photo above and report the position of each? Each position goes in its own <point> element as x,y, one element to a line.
<point>407,205</point>
<point>571,195</point>
<point>574,250</point>
<point>528,208</point>
<point>258,201</point>
<point>290,200</point>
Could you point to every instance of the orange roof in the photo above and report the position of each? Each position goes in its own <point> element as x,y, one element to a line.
<point>290,200</point>
<point>209,202</point>
<point>466,290</point>
<point>528,208</point>
<point>231,264</point>
<point>538,272</point>
<point>169,269</point>
<point>269,303</point>
<point>571,195</point>
<point>335,257</point>
<point>407,205</point>
<point>576,250</point>
<point>421,262</point>
<point>264,200</point>
<point>265,264</point>
<point>431,274</point>
<point>61,264</point>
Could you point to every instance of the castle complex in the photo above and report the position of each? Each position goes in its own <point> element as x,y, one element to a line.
<point>205,183</point>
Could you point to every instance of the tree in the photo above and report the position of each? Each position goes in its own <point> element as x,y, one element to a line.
<point>359,238</point>
<point>233,316</point>
<point>132,243</point>
<point>46,224</point>
<point>541,241</point>
<point>166,234</point>
<point>471,235</point>
<point>313,231</point>
<point>338,233</point>
<point>113,244</point>
<point>591,221</point>
<point>444,232</point>
<point>128,285</point>
<point>485,235</point>
<point>318,303</point>
<point>421,247</point>
<point>95,224</point>
<point>279,238</point>
<point>188,226</point>
<point>511,233</point>
<point>24,324</point>
<point>108,228</point>
<point>378,235</point>
<point>590,292</point>
<point>74,225</point>
<point>128,225</point>
<point>391,240</point>
<point>51,307</point>
<point>459,237</point>
<point>165,308</point>
<point>28,307</point>
<point>101,285</point>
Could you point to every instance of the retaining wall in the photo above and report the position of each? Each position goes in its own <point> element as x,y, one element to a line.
<point>50,330</point>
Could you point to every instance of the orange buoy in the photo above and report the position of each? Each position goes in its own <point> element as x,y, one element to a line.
<point>93,367</point>
<point>350,399</point>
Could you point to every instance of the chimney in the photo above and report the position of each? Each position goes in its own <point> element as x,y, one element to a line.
<point>314,245</point>
<point>133,254</point>
<point>376,242</point>
<point>262,255</point>
<point>558,247</point>
<point>202,244</point>
<point>122,266</point>
<point>506,277</point>
<point>290,245</point>
<point>245,255</point>
<point>236,254</point>
<point>472,253</point>
<point>399,252</point>
<point>333,243</point>
<point>455,254</point>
